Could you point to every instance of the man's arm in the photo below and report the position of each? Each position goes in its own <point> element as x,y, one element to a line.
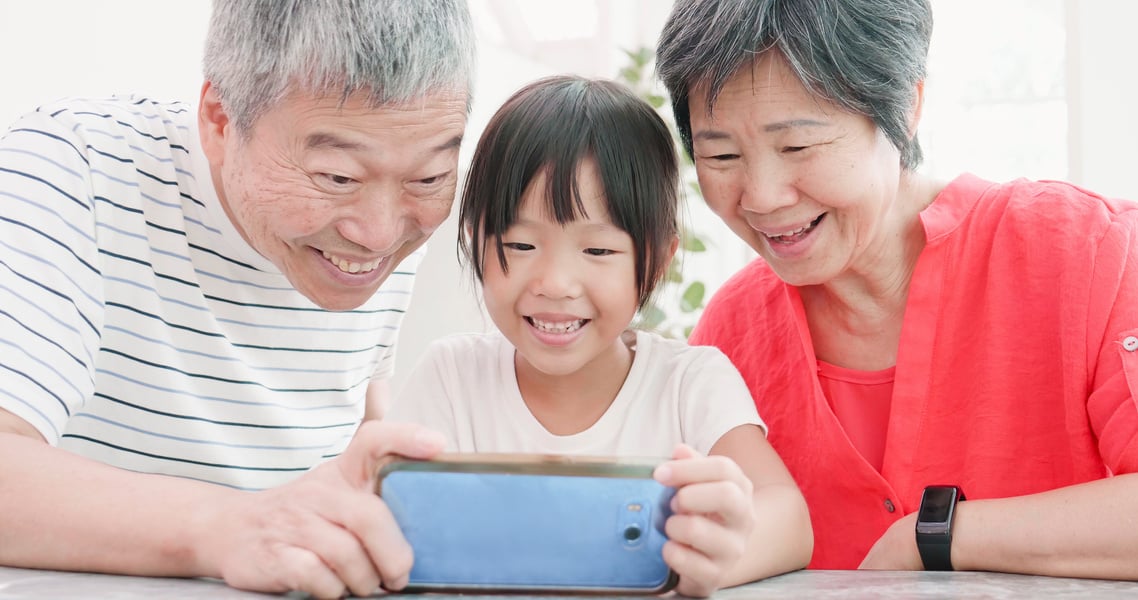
<point>325,533</point>
<point>377,400</point>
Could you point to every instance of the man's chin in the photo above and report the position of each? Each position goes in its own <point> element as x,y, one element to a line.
<point>339,300</point>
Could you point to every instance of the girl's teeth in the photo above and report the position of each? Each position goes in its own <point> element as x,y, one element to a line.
<point>551,327</point>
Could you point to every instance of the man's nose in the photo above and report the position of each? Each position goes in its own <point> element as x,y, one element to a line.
<point>376,219</point>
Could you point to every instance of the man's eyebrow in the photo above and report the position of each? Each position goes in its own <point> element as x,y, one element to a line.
<point>330,140</point>
<point>715,134</point>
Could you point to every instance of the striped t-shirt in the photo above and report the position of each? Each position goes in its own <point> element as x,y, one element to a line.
<point>138,328</point>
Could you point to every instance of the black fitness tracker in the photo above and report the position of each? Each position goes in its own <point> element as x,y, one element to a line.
<point>934,525</point>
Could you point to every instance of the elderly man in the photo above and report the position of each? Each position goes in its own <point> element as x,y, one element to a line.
<point>198,303</point>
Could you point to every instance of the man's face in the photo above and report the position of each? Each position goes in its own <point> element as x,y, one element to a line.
<point>337,194</point>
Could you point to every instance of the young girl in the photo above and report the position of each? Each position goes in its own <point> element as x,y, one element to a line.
<point>569,221</point>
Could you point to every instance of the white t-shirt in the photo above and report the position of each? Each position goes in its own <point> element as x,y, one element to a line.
<point>465,387</point>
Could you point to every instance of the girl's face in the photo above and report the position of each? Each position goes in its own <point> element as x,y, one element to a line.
<point>570,290</point>
<point>810,186</point>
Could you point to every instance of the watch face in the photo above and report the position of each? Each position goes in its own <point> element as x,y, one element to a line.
<point>936,505</point>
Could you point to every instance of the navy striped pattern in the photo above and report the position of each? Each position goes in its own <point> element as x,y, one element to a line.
<point>137,327</point>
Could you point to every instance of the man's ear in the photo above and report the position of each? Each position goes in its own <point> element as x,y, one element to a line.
<point>213,125</point>
<point>915,109</point>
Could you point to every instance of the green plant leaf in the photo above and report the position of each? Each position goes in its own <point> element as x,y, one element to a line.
<point>688,330</point>
<point>673,274</point>
<point>692,243</point>
<point>656,100</point>
<point>694,185</point>
<point>630,75</point>
<point>692,299</point>
<point>651,317</point>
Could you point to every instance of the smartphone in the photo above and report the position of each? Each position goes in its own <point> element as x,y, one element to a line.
<point>531,523</point>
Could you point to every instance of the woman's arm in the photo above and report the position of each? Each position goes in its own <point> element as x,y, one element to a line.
<point>1085,530</point>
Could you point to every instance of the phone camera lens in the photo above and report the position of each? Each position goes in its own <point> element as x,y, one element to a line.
<point>631,533</point>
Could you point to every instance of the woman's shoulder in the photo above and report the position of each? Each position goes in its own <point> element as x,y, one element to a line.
<point>1045,201</point>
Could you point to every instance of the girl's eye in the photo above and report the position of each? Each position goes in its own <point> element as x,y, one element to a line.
<point>521,246</point>
<point>598,251</point>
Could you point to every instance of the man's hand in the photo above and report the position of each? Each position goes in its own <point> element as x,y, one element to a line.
<point>712,518</point>
<point>326,533</point>
<point>896,549</point>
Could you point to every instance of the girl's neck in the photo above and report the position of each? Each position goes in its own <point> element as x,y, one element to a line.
<point>571,403</point>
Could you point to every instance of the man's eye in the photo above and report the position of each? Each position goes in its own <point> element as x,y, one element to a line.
<point>338,179</point>
<point>793,149</point>
<point>598,251</point>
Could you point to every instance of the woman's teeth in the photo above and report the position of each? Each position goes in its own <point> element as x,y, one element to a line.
<point>352,267</point>
<point>788,235</point>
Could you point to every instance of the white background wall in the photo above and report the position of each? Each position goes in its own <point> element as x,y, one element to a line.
<point>55,48</point>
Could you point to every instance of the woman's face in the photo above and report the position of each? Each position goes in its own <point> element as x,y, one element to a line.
<point>810,186</point>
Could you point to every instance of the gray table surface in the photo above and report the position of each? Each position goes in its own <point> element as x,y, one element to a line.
<point>846,585</point>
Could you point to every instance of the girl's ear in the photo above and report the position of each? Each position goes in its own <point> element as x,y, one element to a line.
<point>674,246</point>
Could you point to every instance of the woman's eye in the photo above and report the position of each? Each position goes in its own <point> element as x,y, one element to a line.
<point>793,149</point>
<point>518,246</point>
<point>598,251</point>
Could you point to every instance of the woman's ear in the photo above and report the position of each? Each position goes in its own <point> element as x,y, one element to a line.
<point>915,109</point>
<point>213,125</point>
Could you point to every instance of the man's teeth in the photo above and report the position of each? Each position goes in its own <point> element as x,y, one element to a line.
<point>348,266</point>
<point>564,327</point>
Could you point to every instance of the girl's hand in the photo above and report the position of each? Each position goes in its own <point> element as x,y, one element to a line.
<point>712,518</point>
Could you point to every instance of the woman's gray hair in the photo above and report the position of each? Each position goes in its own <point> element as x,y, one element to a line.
<point>864,55</point>
<point>395,51</point>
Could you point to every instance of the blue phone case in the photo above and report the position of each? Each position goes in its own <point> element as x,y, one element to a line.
<point>531,523</point>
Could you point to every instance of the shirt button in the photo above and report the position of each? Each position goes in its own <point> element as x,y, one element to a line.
<point>1130,343</point>
<point>889,503</point>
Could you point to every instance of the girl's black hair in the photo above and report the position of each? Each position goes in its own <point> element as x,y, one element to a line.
<point>552,125</point>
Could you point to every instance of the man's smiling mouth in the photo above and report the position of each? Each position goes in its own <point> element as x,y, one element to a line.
<point>348,266</point>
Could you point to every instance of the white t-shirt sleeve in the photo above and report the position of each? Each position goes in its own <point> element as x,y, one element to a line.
<point>714,400</point>
<point>424,398</point>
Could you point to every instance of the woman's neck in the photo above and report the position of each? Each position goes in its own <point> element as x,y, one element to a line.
<point>571,403</point>
<point>855,319</point>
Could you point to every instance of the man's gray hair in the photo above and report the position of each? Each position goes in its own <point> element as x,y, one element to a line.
<point>259,51</point>
<point>864,55</point>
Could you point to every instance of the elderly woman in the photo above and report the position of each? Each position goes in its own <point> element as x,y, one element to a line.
<point>910,342</point>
